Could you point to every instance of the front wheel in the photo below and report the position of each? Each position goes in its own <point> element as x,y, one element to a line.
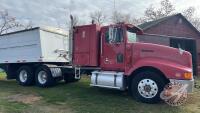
<point>147,86</point>
<point>43,77</point>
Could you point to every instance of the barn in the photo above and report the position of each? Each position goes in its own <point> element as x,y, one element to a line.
<point>175,31</point>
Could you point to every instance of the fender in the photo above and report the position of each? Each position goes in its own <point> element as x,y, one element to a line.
<point>170,69</point>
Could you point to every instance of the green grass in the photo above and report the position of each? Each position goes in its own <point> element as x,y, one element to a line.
<point>2,75</point>
<point>80,98</point>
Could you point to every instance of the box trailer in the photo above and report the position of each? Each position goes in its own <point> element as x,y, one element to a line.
<point>110,54</point>
<point>34,45</point>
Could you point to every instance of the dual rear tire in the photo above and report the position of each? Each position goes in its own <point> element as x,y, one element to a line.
<point>25,76</point>
<point>42,77</point>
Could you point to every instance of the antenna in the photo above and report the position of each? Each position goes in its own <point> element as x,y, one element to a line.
<point>71,2</point>
<point>114,5</point>
<point>114,12</point>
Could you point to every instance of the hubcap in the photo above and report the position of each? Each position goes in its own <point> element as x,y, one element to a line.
<point>42,77</point>
<point>23,76</point>
<point>147,88</point>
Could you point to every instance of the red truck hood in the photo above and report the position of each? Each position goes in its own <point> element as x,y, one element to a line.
<point>147,50</point>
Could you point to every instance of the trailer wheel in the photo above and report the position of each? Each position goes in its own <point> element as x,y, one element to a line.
<point>25,76</point>
<point>147,86</point>
<point>43,77</point>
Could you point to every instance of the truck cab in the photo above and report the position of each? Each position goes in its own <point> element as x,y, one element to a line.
<point>116,42</point>
<point>142,68</point>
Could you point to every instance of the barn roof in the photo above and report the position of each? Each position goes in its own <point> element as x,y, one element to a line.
<point>151,24</point>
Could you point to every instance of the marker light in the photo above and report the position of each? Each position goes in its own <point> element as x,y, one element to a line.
<point>187,75</point>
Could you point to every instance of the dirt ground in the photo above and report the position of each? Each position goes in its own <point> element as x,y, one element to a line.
<point>26,99</point>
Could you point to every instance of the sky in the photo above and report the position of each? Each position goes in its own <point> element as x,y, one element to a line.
<point>56,12</point>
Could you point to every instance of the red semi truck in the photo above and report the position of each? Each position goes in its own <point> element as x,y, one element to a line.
<point>113,58</point>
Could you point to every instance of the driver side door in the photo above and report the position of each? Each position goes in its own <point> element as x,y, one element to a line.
<point>112,49</point>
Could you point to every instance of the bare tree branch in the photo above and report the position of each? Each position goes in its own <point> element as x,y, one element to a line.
<point>153,13</point>
<point>28,25</point>
<point>118,17</point>
<point>6,22</point>
<point>189,12</point>
<point>9,23</point>
<point>98,17</point>
<point>166,8</point>
<point>138,21</point>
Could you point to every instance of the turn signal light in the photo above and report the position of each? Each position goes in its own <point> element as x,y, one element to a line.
<point>188,75</point>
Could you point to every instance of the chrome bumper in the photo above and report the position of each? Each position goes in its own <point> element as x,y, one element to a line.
<point>190,83</point>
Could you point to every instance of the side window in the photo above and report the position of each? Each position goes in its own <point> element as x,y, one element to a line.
<point>107,36</point>
<point>131,37</point>
<point>114,35</point>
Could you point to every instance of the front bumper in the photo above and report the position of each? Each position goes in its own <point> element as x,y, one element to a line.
<point>190,83</point>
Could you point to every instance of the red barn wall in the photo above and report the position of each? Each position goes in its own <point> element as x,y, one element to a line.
<point>176,26</point>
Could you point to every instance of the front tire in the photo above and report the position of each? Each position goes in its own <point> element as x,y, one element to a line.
<point>43,77</point>
<point>25,76</point>
<point>147,86</point>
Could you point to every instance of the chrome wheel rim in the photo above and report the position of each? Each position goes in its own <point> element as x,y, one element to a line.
<point>42,77</point>
<point>23,75</point>
<point>147,88</point>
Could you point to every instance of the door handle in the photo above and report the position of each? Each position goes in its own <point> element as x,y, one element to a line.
<point>106,61</point>
<point>117,44</point>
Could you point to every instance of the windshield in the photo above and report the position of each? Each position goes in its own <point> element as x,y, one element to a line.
<point>131,37</point>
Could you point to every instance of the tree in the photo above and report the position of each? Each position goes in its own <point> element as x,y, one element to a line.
<point>9,23</point>
<point>118,17</point>
<point>153,13</point>
<point>167,8</point>
<point>138,21</point>
<point>98,17</point>
<point>189,14</point>
<point>196,22</point>
<point>6,22</point>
